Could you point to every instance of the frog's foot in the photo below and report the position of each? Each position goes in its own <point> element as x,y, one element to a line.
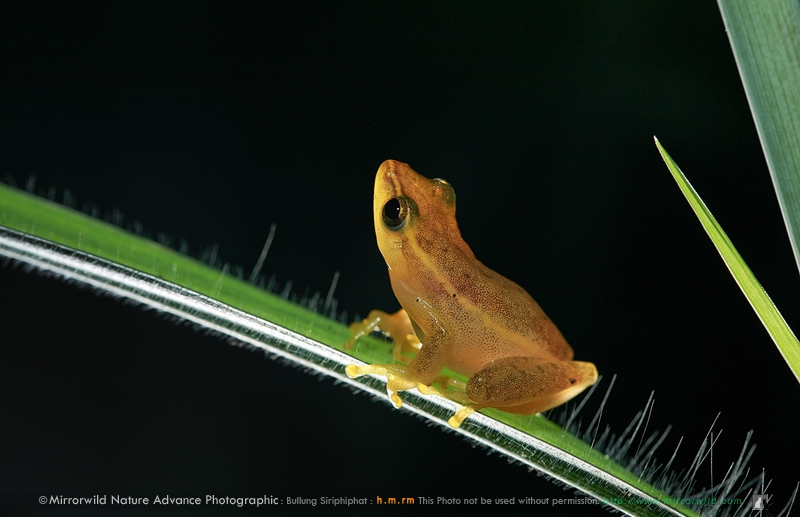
<point>397,378</point>
<point>462,414</point>
<point>363,328</point>
<point>457,394</point>
<point>398,326</point>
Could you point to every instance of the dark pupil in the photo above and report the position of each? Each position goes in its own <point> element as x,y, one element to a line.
<point>391,211</point>
<point>395,212</point>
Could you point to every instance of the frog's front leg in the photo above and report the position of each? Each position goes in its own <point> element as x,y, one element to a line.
<point>397,325</point>
<point>420,373</point>
<point>525,385</point>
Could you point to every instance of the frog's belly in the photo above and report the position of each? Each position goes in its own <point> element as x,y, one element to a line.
<point>471,354</point>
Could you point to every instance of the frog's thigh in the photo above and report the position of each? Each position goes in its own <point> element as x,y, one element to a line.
<point>525,385</point>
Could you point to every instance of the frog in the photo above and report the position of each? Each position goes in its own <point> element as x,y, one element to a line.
<point>457,313</point>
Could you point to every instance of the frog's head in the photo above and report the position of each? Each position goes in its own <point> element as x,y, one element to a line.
<point>414,216</point>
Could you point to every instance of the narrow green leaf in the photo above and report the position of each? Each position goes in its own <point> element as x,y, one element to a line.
<point>765,38</point>
<point>58,239</point>
<point>780,332</point>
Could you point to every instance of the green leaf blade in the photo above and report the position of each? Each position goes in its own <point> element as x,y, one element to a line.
<point>56,238</point>
<point>765,38</point>
<point>769,315</point>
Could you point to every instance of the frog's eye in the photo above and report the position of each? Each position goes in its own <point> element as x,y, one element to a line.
<point>395,213</point>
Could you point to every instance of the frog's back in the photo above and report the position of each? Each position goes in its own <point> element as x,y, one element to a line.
<point>494,317</point>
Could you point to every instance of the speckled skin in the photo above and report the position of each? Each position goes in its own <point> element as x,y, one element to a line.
<point>468,318</point>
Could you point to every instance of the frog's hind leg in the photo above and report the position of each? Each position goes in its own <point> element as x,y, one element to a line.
<point>525,385</point>
<point>447,383</point>
<point>398,326</point>
<point>454,390</point>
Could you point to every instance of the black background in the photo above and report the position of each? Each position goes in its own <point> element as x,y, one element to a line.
<point>209,121</point>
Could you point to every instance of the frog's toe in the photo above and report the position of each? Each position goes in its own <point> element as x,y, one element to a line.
<point>360,329</point>
<point>456,395</point>
<point>353,371</point>
<point>396,378</point>
<point>397,402</point>
<point>460,415</point>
